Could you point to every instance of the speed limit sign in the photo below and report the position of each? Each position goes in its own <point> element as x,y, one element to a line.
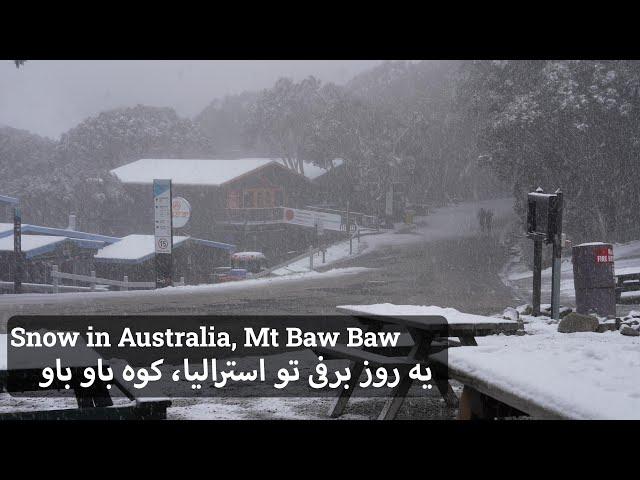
<point>163,245</point>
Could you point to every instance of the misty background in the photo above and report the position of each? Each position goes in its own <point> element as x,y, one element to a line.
<point>446,130</point>
<point>49,97</point>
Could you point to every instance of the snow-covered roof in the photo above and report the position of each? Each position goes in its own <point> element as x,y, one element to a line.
<point>132,248</point>
<point>6,229</point>
<point>29,242</point>
<point>190,171</point>
<point>312,171</point>
<point>74,234</point>
<point>139,248</point>
<point>34,245</point>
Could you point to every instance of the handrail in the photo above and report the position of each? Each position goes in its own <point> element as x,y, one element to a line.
<point>268,271</point>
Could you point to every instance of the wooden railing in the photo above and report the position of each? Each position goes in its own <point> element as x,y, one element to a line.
<point>45,288</point>
<point>249,215</point>
<point>361,219</point>
<point>92,280</point>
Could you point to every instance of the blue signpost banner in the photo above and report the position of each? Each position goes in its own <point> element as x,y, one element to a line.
<point>163,232</point>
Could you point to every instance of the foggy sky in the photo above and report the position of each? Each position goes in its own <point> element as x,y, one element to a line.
<point>48,97</point>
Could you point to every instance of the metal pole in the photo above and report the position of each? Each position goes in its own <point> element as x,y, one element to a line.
<point>555,281</point>
<point>348,224</point>
<point>537,276</point>
<point>17,250</point>
<point>557,261</point>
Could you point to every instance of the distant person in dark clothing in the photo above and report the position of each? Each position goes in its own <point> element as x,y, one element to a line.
<point>488,219</point>
<point>482,218</point>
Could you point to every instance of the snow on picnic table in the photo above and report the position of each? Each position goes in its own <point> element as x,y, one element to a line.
<point>452,315</point>
<point>576,375</point>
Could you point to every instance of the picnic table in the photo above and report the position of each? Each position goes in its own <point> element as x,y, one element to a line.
<point>94,402</point>
<point>549,375</point>
<point>627,280</point>
<point>429,327</point>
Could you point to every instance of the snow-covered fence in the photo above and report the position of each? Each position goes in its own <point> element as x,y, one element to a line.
<point>252,215</point>
<point>92,280</point>
<point>43,287</point>
<point>364,220</point>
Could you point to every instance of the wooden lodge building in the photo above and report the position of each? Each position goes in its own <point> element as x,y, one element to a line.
<point>134,256</point>
<point>236,201</point>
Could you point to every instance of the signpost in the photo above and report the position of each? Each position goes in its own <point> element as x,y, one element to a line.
<point>544,224</point>
<point>17,250</point>
<point>163,234</point>
<point>308,218</point>
<point>17,242</point>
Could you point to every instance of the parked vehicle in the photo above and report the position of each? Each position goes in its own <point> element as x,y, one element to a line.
<point>243,265</point>
<point>253,262</point>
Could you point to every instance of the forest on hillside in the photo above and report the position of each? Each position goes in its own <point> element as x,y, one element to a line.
<point>450,130</point>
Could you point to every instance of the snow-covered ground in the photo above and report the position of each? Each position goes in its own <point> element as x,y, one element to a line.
<point>219,287</point>
<point>201,297</point>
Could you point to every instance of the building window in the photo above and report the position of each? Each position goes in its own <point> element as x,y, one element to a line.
<point>248,199</point>
<point>233,199</point>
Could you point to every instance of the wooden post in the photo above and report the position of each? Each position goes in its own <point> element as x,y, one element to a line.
<point>537,276</point>
<point>310,258</point>
<point>557,261</point>
<point>17,250</point>
<point>54,278</point>
<point>324,250</point>
<point>182,281</point>
<point>125,287</point>
<point>93,280</point>
<point>348,220</point>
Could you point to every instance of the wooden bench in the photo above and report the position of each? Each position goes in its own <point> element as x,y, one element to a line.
<point>94,402</point>
<point>627,282</point>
